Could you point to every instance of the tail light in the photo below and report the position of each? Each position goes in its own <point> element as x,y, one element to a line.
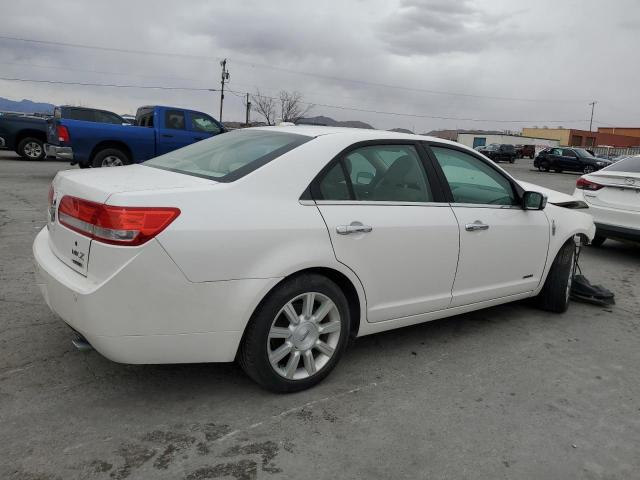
<point>584,184</point>
<point>114,225</point>
<point>63,134</point>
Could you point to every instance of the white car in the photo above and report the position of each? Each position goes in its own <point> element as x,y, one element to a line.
<point>275,245</point>
<point>613,196</point>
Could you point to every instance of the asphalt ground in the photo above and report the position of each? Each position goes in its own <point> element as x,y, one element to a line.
<point>506,392</point>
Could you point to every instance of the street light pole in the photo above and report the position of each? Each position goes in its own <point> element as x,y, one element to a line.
<point>593,104</point>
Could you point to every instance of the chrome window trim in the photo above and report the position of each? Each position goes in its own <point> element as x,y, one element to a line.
<point>486,205</point>
<point>383,203</point>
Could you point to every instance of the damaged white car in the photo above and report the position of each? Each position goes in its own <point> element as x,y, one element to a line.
<point>274,246</point>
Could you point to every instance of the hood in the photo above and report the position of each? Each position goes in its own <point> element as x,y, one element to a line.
<point>554,197</point>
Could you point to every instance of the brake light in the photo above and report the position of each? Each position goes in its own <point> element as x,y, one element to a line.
<point>114,225</point>
<point>584,184</point>
<point>63,134</point>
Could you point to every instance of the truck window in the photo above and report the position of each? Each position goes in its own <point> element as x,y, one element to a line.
<point>108,117</point>
<point>79,114</point>
<point>174,119</point>
<point>203,123</point>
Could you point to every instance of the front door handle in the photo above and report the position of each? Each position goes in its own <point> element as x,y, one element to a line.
<point>355,227</point>
<point>477,225</point>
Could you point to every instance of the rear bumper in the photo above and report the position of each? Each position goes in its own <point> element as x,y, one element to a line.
<point>147,311</point>
<point>622,233</point>
<point>61,153</point>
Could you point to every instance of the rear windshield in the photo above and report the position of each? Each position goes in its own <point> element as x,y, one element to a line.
<point>229,156</point>
<point>629,164</point>
<point>583,153</point>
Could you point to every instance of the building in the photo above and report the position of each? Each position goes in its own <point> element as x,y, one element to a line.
<point>453,134</point>
<point>626,131</point>
<point>480,138</point>
<point>582,138</point>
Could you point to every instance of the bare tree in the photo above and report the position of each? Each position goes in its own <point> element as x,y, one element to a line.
<point>264,106</point>
<point>292,108</point>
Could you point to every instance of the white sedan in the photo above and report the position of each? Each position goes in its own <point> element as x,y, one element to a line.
<point>613,196</point>
<point>274,246</point>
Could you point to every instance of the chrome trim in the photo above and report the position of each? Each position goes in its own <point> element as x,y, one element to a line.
<point>354,227</point>
<point>477,225</point>
<point>483,205</point>
<point>388,204</point>
<point>307,203</point>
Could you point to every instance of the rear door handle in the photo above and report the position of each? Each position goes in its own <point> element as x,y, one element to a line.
<point>477,225</point>
<point>355,227</point>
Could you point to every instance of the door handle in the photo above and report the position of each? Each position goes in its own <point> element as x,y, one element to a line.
<point>477,225</point>
<point>355,227</point>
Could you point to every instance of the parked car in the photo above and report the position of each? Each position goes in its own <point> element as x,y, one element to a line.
<point>525,151</point>
<point>157,130</point>
<point>571,159</point>
<point>613,196</point>
<point>26,135</point>
<point>500,152</point>
<point>276,245</point>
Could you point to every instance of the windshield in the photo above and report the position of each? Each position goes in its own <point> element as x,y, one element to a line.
<point>629,164</point>
<point>583,153</point>
<point>229,156</point>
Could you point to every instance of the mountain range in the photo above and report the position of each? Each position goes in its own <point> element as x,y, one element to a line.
<point>25,106</point>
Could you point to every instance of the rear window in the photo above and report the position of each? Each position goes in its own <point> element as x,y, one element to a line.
<point>229,156</point>
<point>629,164</point>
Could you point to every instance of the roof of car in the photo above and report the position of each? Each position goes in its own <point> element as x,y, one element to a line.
<point>361,133</point>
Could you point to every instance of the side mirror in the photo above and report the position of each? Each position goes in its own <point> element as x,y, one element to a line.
<point>534,201</point>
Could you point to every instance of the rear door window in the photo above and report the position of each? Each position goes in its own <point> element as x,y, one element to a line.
<point>174,119</point>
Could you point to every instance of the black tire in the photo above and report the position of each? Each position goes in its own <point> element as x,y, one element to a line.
<point>31,148</point>
<point>110,157</point>
<point>545,166</point>
<point>253,355</point>
<point>598,240</point>
<point>554,295</point>
<point>557,170</point>
<point>512,160</point>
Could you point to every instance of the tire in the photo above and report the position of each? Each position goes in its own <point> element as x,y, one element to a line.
<point>31,148</point>
<point>588,169</point>
<point>258,344</point>
<point>512,160</point>
<point>557,170</point>
<point>598,240</point>
<point>110,157</point>
<point>545,166</point>
<point>554,296</point>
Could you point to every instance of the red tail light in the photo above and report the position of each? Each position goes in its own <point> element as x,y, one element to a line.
<point>63,134</point>
<point>584,184</point>
<point>114,225</point>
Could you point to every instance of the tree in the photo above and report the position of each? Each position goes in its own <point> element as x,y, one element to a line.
<point>264,106</point>
<point>291,106</point>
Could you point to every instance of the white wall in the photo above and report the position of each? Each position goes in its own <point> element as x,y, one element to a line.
<point>540,143</point>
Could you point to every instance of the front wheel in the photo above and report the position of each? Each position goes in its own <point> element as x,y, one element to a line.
<point>31,148</point>
<point>588,169</point>
<point>554,295</point>
<point>297,335</point>
<point>545,166</point>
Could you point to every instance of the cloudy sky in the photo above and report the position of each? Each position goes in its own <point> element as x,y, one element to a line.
<point>487,64</point>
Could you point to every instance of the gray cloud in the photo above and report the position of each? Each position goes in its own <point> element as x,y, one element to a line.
<point>573,51</point>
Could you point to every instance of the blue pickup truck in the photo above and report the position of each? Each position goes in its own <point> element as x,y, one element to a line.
<point>157,130</point>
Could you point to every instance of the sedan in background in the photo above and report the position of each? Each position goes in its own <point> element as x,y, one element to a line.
<point>570,159</point>
<point>613,196</point>
<point>275,246</point>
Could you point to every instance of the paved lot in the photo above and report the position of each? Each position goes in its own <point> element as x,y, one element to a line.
<point>507,392</point>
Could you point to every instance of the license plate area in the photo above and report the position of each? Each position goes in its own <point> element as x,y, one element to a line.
<point>70,247</point>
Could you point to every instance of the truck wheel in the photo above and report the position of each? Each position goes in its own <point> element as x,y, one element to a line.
<point>554,295</point>
<point>31,148</point>
<point>110,157</point>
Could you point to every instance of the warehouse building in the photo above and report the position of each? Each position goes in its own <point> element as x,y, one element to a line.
<point>582,138</point>
<point>480,138</point>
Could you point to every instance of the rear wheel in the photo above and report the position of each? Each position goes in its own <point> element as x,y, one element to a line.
<point>545,166</point>
<point>31,148</point>
<point>598,240</point>
<point>110,157</point>
<point>297,335</point>
<point>554,296</point>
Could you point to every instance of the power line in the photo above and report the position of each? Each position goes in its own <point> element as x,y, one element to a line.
<point>288,70</point>
<point>338,107</point>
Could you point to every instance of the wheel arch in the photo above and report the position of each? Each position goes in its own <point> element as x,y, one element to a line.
<point>22,134</point>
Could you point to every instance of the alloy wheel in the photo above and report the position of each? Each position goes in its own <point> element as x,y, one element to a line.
<point>304,336</point>
<point>112,161</point>
<point>589,169</point>
<point>33,150</point>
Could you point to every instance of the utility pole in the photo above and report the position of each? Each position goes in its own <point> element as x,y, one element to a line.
<point>593,104</point>
<point>224,78</point>
<point>248,105</point>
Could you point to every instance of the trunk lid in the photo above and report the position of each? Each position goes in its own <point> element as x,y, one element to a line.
<point>621,190</point>
<point>97,185</point>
